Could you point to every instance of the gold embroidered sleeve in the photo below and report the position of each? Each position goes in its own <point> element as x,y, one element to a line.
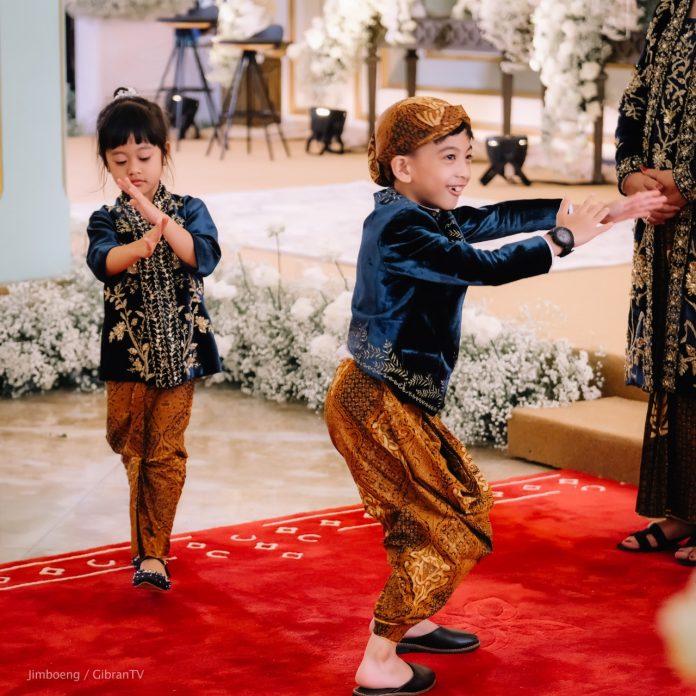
<point>684,179</point>
<point>626,167</point>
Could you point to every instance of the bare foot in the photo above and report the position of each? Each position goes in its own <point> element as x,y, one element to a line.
<point>687,553</point>
<point>381,667</point>
<point>673,529</point>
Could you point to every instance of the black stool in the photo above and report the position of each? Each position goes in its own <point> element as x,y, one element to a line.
<point>187,30</point>
<point>249,73</point>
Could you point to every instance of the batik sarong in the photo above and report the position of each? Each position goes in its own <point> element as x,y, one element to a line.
<point>419,482</point>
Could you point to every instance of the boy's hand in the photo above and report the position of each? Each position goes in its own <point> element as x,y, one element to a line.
<point>585,222</point>
<point>150,239</point>
<point>145,207</point>
<point>637,205</point>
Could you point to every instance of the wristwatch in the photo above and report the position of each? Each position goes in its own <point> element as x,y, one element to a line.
<point>564,238</point>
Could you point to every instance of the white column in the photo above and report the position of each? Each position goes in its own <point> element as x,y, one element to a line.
<point>34,212</point>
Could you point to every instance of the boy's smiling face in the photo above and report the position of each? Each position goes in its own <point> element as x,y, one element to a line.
<point>435,174</point>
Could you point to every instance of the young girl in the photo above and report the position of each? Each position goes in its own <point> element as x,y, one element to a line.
<point>151,250</point>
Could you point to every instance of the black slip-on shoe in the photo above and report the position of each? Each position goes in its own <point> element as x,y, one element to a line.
<point>423,680</point>
<point>441,640</point>
<point>151,579</point>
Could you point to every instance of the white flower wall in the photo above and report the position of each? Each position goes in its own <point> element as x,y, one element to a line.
<point>279,341</point>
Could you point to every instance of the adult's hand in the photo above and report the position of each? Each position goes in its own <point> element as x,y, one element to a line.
<point>638,181</point>
<point>675,201</point>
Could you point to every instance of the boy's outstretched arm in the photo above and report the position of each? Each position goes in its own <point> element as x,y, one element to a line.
<point>513,217</point>
<point>415,247</point>
<point>505,219</point>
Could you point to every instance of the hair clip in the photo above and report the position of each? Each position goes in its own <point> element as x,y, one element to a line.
<point>123,92</point>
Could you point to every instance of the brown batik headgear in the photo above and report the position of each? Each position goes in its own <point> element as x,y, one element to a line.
<point>407,125</point>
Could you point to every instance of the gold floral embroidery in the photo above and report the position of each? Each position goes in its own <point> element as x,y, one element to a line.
<point>659,423</point>
<point>641,272</point>
<point>384,363</point>
<point>664,87</point>
<point>691,279</point>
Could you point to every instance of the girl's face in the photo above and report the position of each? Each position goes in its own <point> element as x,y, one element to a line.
<point>141,163</point>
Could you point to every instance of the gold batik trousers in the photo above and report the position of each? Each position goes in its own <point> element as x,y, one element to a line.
<point>419,482</point>
<point>146,426</point>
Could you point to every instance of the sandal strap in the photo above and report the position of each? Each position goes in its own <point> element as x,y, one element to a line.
<point>654,530</point>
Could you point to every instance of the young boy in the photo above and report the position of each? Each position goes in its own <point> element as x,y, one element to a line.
<point>414,265</point>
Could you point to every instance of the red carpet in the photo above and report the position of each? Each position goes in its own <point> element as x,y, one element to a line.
<point>281,608</point>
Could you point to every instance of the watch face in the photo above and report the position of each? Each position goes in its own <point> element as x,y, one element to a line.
<point>564,237</point>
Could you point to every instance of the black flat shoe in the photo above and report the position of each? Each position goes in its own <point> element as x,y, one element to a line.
<point>151,579</point>
<point>423,680</point>
<point>441,640</point>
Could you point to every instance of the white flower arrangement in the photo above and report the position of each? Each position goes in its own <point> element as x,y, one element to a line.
<point>507,25</point>
<point>570,48</point>
<point>237,20</point>
<point>335,42</point>
<point>503,365</point>
<point>279,341</point>
<point>49,334</point>
<point>127,9</point>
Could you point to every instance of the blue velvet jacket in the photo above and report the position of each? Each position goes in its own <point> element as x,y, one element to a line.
<point>414,267</point>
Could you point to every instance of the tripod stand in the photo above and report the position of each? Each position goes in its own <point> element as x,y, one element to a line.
<point>247,73</point>
<point>186,35</point>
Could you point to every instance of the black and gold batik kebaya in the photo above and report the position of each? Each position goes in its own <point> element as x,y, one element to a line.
<point>657,129</point>
<point>156,326</point>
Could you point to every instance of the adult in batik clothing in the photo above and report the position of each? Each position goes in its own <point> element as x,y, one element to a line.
<point>415,263</point>
<point>151,250</point>
<point>656,148</point>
